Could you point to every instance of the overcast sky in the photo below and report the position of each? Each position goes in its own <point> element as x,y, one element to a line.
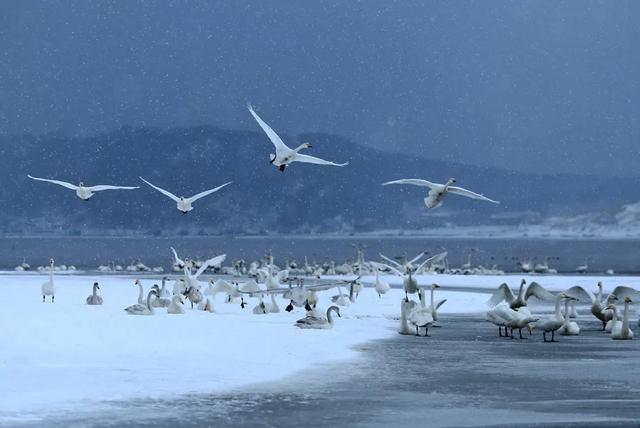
<point>539,86</point>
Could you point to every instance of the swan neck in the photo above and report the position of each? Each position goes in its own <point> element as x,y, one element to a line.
<point>615,314</point>
<point>625,317</point>
<point>95,290</point>
<point>558,314</point>
<point>330,315</point>
<point>140,291</point>
<point>432,303</point>
<point>149,300</point>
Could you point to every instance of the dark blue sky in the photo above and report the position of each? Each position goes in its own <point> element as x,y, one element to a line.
<point>538,86</point>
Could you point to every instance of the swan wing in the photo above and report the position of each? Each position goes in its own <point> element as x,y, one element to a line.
<point>502,293</point>
<point>469,194</point>
<point>537,291</point>
<point>623,291</point>
<point>275,138</point>
<point>414,181</point>
<point>207,192</point>
<point>440,303</point>
<point>416,258</point>
<point>391,261</point>
<point>164,192</point>
<point>579,291</point>
<point>178,260</point>
<point>430,259</point>
<point>58,182</point>
<point>384,266</point>
<point>101,187</point>
<point>208,263</point>
<point>312,159</point>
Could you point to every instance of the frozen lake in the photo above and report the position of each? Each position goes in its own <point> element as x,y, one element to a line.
<point>89,252</point>
<point>464,375</point>
<point>68,364</point>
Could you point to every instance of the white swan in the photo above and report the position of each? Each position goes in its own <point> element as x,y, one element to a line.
<point>48,287</point>
<point>176,306</point>
<point>598,308</point>
<point>140,292</point>
<point>406,307</point>
<point>183,204</point>
<point>273,307</point>
<point>513,319</point>
<point>139,309</point>
<point>381,286</point>
<point>93,298</point>
<point>341,299</point>
<point>437,191</point>
<point>495,319</point>
<point>311,321</point>
<point>194,295</point>
<point>552,323</point>
<point>82,191</point>
<point>621,331</point>
<point>421,317</point>
<point>164,297</point>
<point>285,155</point>
<point>504,293</point>
<point>614,320</point>
<point>435,306</point>
<point>569,328</point>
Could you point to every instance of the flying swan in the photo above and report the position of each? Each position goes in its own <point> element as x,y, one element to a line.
<point>437,191</point>
<point>82,191</point>
<point>183,204</point>
<point>284,154</point>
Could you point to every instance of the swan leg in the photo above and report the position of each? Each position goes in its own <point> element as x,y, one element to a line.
<point>500,330</point>
<point>242,302</point>
<point>553,336</point>
<point>53,298</point>
<point>282,167</point>
<point>42,299</point>
<point>426,333</point>
<point>544,336</point>
<point>417,332</point>
<point>520,331</point>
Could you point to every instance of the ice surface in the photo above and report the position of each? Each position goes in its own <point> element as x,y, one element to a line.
<point>67,355</point>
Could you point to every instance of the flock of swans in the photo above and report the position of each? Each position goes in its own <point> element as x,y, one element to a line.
<point>510,312</point>
<point>283,157</point>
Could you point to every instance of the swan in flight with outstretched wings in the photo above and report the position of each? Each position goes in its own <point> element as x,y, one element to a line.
<point>284,154</point>
<point>438,191</point>
<point>82,191</point>
<point>185,204</point>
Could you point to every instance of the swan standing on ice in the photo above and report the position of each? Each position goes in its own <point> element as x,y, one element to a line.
<point>505,293</point>
<point>497,320</point>
<point>381,286</point>
<point>183,204</point>
<point>176,306</point>
<point>82,191</point>
<point>435,306</point>
<point>598,308</point>
<point>553,323</point>
<point>140,292</point>
<point>285,155</point>
<point>93,298</point>
<point>614,320</point>
<point>621,331</point>
<point>406,307</point>
<point>48,287</point>
<point>311,321</point>
<point>437,191</point>
<point>421,317</point>
<point>273,307</point>
<point>139,309</point>
<point>569,328</point>
<point>513,319</point>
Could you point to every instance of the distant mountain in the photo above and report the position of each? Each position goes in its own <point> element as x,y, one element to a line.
<point>261,200</point>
